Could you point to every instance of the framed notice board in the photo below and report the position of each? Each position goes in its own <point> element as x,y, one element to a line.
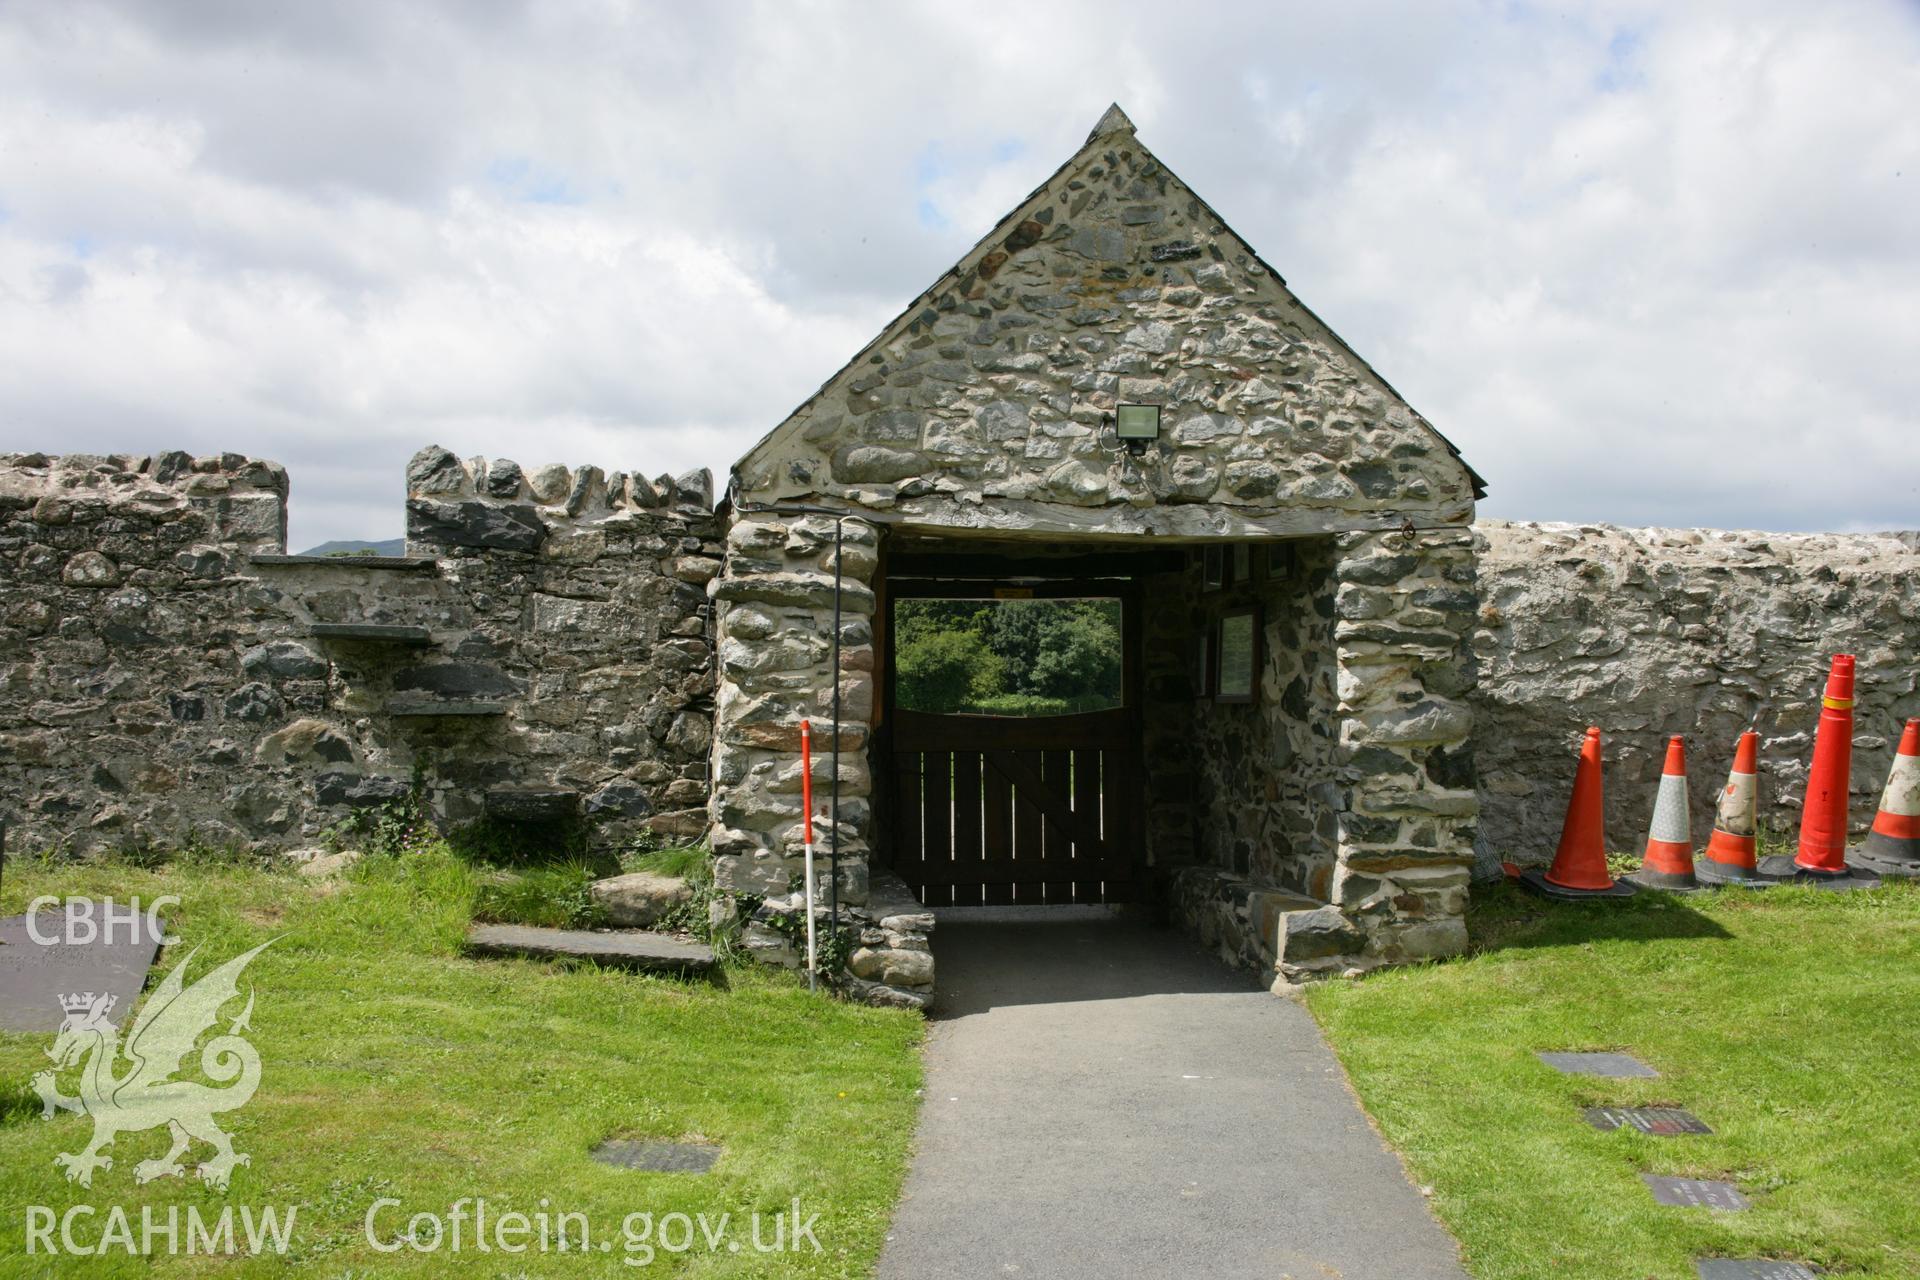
<point>1237,656</point>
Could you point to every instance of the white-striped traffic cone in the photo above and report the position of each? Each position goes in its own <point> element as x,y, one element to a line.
<point>1668,863</point>
<point>1731,853</point>
<point>1893,846</point>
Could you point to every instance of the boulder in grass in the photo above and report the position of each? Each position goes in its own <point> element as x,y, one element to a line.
<point>640,899</point>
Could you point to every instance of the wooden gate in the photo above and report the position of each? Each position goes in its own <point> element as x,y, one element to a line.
<point>992,810</point>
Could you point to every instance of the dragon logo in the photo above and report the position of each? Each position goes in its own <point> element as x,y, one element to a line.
<point>145,1095</point>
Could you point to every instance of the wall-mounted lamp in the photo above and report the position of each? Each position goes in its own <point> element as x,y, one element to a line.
<point>1136,426</point>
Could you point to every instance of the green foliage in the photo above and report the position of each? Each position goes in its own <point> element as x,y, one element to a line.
<point>832,947</point>
<point>945,671</point>
<point>1768,1013</point>
<point>1007,657</point>
<point>192,851</point>
<point>685,862</point>
<point>554,897</point>
<point>500,843</point>
<point>399,1066</point>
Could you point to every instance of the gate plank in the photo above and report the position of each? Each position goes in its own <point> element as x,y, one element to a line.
<point>1026,873</point>
<point>1027,822</point>
<point>1087,768</point>
<point>967,851</point>
<point>909,858</point>
<point>1115,807</point>
<point>1022,768</point>
<point>997,828</point>
<point>1057,842</point>
<point>936,788</point>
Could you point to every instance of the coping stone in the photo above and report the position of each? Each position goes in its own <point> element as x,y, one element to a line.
<point>398,564</point>
<point>374,632</point>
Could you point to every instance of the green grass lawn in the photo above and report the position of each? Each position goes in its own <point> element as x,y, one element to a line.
<point>1788,1021</point>
<point>395,1066</point>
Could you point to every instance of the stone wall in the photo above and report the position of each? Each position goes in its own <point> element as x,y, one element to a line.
<point>1264,766</point>
<point>1348,780</point>
<point>775,605</point>
<point>169,675</point>
<point>1651,632</point>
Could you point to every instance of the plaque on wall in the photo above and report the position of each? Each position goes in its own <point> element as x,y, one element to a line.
<point>1238,664</point>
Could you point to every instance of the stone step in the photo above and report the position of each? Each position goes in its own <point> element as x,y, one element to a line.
<point>532,804</point>
<point>396,564</point>
<point>423,708</point>
<point>618,948</point>
<point>374,632</point>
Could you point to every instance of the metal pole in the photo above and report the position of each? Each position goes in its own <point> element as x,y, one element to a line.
<point>833,783</point>
<point>806,844</point>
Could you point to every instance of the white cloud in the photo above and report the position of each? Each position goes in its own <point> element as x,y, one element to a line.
<point>1641,263</point>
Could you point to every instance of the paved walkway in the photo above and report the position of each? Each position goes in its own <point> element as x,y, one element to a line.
<point>1105,1101</point>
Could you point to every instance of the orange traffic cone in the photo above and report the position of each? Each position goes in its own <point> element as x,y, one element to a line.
<point>1579,867</point>
<point>1669,858</point>
<point>1729,857</point>
<point>1893,846</point>
<point>1823,814</point>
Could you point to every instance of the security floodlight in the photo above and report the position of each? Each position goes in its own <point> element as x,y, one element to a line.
<point>1136,426</point>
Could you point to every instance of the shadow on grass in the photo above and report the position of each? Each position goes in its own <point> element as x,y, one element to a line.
<point>1503,916</point>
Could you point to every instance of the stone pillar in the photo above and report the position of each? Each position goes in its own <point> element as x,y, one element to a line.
<point>1406,802</point>
<point>774,603</point>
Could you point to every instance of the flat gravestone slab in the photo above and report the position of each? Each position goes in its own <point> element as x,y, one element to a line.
<point>1752,1269</point>
<point>618,948</point>
<point>1695,1193</point>
<point>1597,1064</point>
<point>1659,1121</point>
<point>657,1157</point>
<point>34,975</point>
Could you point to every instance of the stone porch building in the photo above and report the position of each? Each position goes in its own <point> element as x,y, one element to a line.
<point>1325,819</point>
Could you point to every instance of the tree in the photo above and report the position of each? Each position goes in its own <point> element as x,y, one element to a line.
<point>1021,657</point>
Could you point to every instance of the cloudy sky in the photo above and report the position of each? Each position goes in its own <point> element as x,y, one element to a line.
<point>1646,263</point>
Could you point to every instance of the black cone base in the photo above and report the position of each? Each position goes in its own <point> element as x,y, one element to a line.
<point>1888,856</point>
<point>1537,882</point>
<point>1720,874</point>
<point>1666,881</point>
<point>1787,871</point>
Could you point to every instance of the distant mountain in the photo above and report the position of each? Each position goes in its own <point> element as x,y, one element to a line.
<point>359,547</point>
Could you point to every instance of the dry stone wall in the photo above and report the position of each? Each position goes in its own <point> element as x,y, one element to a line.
<point>169,675</point>
<point>1700,632</point>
